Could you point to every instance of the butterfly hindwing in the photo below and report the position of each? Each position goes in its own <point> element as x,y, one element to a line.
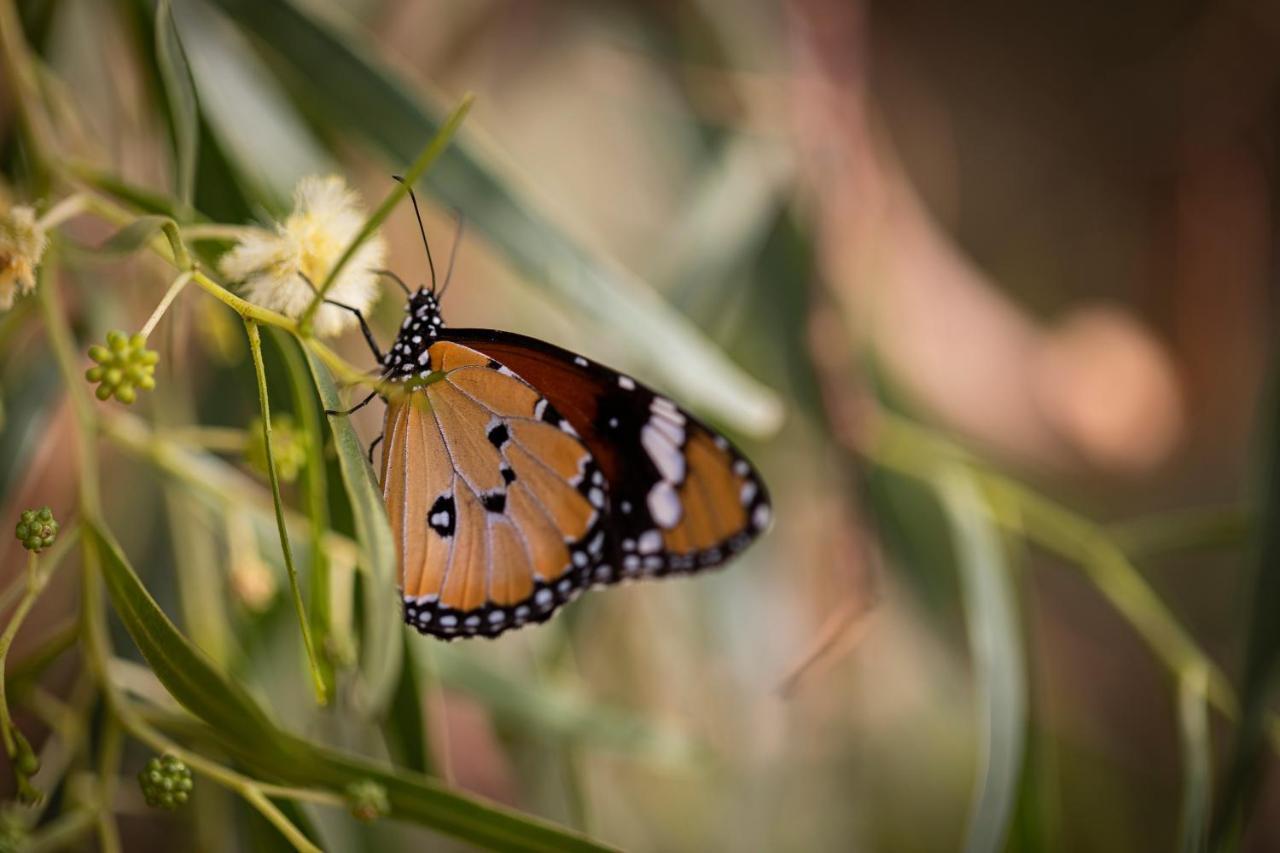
<point>680,496</point>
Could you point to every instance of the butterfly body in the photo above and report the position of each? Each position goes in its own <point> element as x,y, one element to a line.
<point>517,474</point>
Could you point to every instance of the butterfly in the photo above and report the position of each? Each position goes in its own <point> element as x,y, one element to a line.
<point>517,474</point>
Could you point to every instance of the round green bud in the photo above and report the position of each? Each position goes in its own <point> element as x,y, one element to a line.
<point>36,529</point>
<point>166,782</point>
<point>368,800</point>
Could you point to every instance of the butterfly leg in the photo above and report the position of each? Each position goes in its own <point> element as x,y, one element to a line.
<point>357,407</point>
<point>364,326</point>
<point>372,445</point>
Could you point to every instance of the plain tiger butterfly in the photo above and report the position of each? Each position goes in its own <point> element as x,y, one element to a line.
<point>517,474</point>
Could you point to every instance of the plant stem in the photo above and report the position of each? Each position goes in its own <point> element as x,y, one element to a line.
<point>108,771</point>
<point>35,583</point>
<point>72,205</point>
<point>170,295</point>
<point>317,677</point>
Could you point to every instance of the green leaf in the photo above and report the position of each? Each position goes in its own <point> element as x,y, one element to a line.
<point>1262,655</point>
<point>315,491</point>
<point>996,645</point>
<point>133,195</point>
<point>380,645</point>
<point>1197,759</point>
<point>238,724</point>
<point>352,89</point>
<point>180,91</point>
<point>185,671</point>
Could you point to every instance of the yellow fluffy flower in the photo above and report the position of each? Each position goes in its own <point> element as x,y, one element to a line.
<point>22,244</point>
<point>271,265</point>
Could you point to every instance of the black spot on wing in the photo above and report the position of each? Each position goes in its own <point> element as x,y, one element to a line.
<point>443,517</point>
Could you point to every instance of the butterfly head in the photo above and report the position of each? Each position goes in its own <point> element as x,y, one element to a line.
<point>422,324</point>
<point>423,309</point>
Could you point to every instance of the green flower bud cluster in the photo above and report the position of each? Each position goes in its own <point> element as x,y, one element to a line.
<point>289,446</point>
<point>166,782</point>
<point>368,800</point>
<point>123,365</point>
<point>36,529</point>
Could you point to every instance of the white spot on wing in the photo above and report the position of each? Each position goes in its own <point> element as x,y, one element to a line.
<point>673,431</point>
<point>626,383</point>
<point>580,361</point>
<point>667,409</point>
<point>760,518</point>
<point>663,452</point>
<point>664,504</point>
<point>650,542</point>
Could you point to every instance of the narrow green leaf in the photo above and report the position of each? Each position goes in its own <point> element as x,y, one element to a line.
<point>1197,759</point>
<point>255,349</point>
<point>315,490</point>
<point>236,723</point>
<point>133,195</point>
<point>352,89</point>
<point>417,798</point>
<point>380,645</point>
<point>1262,654</point>
<point>185,671</point>
<point>180,92</point>
<point>996,645</point>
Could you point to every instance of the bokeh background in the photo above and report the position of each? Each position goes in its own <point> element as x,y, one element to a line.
<point>1045,232</point>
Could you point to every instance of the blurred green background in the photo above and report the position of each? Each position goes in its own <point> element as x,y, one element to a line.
<point>1045,232</point>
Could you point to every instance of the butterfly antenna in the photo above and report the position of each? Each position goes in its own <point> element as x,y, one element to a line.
<point>453,253</point>
<point>421,230</point>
